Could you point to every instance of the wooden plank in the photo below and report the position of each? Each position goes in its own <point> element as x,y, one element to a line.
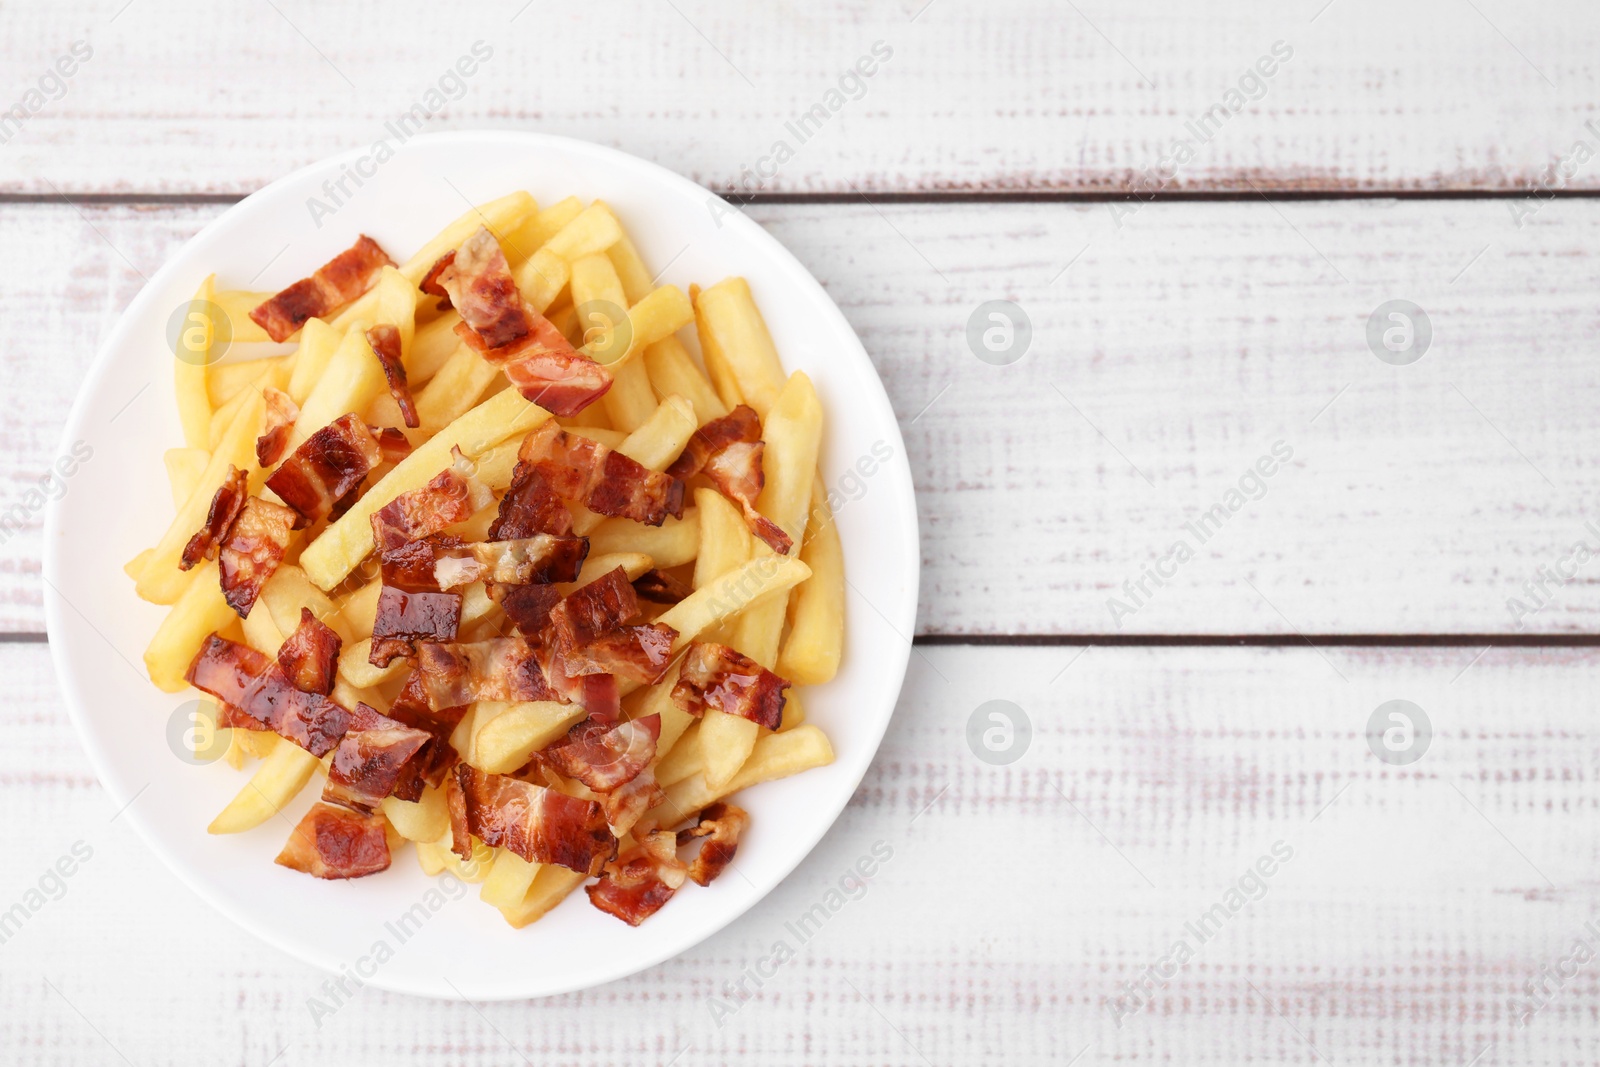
<point>1417,902</point>
<point>1017,95</point>
<point>1165,361</point>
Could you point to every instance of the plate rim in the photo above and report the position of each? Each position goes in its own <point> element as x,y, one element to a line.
<point>894,660</point>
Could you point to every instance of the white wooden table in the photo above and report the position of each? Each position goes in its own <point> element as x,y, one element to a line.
<point>1420,152</point>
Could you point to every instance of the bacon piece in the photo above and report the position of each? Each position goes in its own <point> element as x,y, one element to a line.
<point>531,506</point>
<point>282,412</point>
<point>597,693</point>
<point>326,468</point>
<point>336,283</point>
<point>527,606</point>
<point>430,281</point>
<point>404,618</point>
<point>659,587</point>
<point>551,373</point>
<point>393,446</point>
<point>410,708</point>
<point>737,474</point>
<point>335,842</point>
<point>729,451</point>
<point>606,757</point>
<point>639,653</point>
<point>480,286</point>
<point>310,655</point>
<point>607,482</point>
<point>538,824</point>
<point>409,565</point>
<point>384,339</point>
<point>720,824</point>
<point>540,559</point>
<point>378,757</point>
<point>740,424</point>
<point>637,885</point>
<point>715,676</point>
<point>502,668</point>
<point>452,495</point>
<point>225,507</point>
<point>591,610</point>
<point>240,676</point>
<point>627,804</point>
<point>544,367</point>
<point>252,550</point>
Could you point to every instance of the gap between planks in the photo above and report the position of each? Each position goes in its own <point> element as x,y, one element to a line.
<point>938,197</point>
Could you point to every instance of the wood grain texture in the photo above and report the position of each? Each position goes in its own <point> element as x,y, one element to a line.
<point>1015,95</point>
<point>1170,351</point>
<point>1018,901</point>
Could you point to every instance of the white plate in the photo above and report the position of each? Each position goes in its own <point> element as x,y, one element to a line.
<point>117,503</point>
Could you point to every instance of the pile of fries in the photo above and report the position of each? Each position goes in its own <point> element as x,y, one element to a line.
<point>573,264</point>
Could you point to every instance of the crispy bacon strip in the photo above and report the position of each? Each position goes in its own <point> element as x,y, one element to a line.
<point>452,495</point>
<point>531,506</point>
<point>591,610</point>
<point>502,668</point>
<point>410,708</point>
<point>403,618</point>
<point>430,281</point>
<point>538,824</point>
<point>607,482</point>
<point>544,367</point>
<point>480,286</point>
<point>335,842</point>
<point>659,587</point>
<point>527,606</point>
<point>603,756</point>
<point>639,653</point>
<point>540,559</point>
<point>597,693</point>
<point>310,655</point>
<point>740,424</point>
<point>410,564</point>
<point>715,676</point>
<point>327,467</point>
<point>336,283</point>
<point>549,372</point>
<point>737,474</point>
<point>384,340</point>
<point>627,804</point>
<point>393,446</point>
<point>637,885</point>
<point>252,550</point>
<point>282,412</point>
<point>225,507</point>
<point>729,451</point>
<point>239,676</point>
<point>721,824</point>
<point>378,757</point>
<point>507,330</point>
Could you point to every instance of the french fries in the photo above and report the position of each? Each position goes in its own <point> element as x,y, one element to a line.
<point>812,650</point>
<point>505,735</point>
<point>198,611</point>
<point>192,354</point>
<point>575,263</point>
<point>737,348</point>
<point>509,880</point>
<point>185,466</point>
<point>672,544</point>
<point>424,819</point>
<point>774,756</point>
<point>347,542</point>
<point>279,779</point>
